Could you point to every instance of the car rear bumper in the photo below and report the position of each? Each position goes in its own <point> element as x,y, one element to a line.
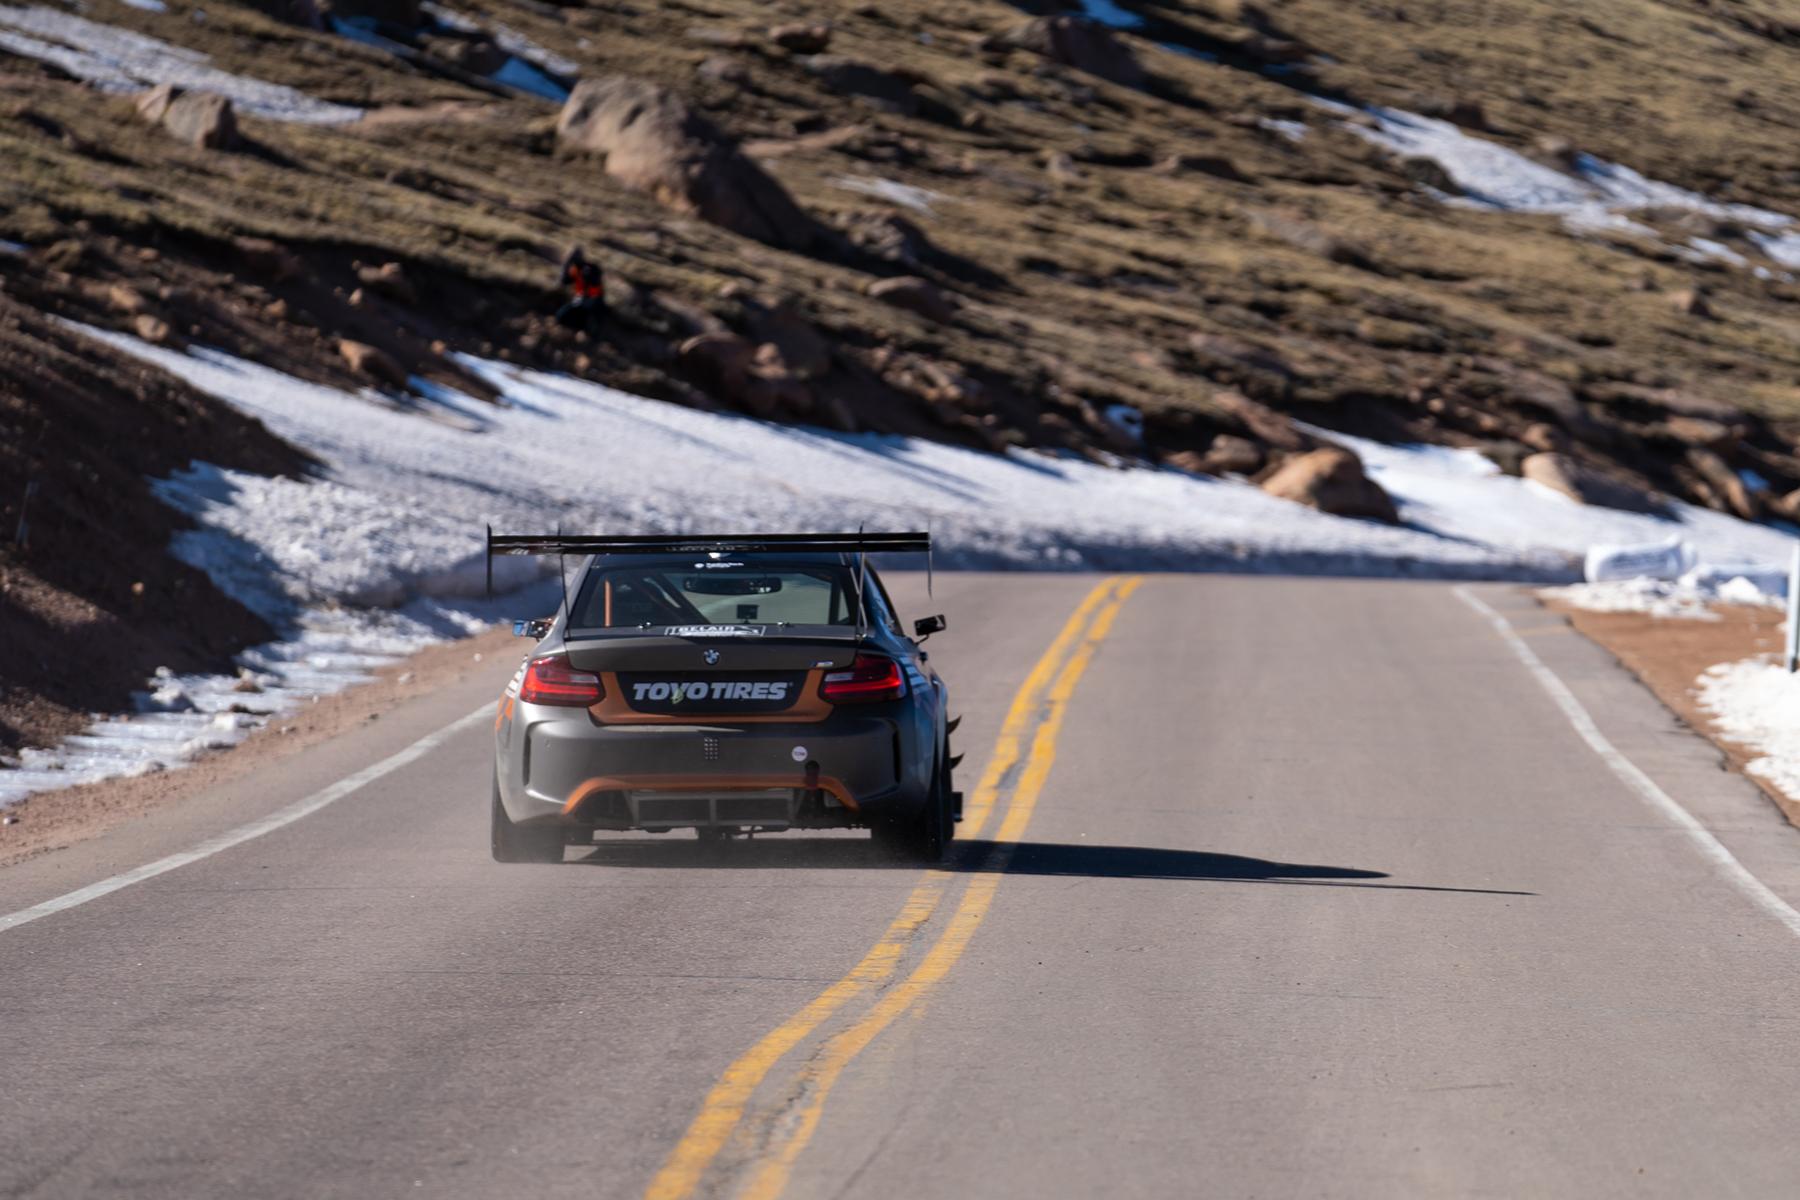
<point>565,768</point>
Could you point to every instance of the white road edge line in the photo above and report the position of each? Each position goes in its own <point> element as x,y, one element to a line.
<point>255,829</point>
<point>1710,847</point>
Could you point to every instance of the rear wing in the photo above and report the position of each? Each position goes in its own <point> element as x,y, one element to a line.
<point>736,543</point>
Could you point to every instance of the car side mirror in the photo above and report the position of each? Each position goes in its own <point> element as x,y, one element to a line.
<point>924,627</point>
<point>536,629</point>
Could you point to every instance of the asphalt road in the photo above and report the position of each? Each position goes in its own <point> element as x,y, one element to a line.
<point>1295,888</point>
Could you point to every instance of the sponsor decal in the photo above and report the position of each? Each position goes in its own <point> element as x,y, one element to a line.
<point>690,692</point>
<point>714,631</point>
<point>799,753</point>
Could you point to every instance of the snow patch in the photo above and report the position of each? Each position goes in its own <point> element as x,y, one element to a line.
<point>1595,196</point>
<point>1690,597</point>
<point>919,199</point>
<point>1655,597</point>
<point>1293,131</point>
<point>117,60</point>
<point>1756,703</point>
<point>405,498</point>
<point>1783,248</point>
<point>1701,249</point>
<point>506,37</point>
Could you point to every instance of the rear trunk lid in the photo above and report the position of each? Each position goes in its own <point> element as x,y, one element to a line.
<point>716,672</point>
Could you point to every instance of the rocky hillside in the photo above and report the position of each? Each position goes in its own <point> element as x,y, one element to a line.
<point>1170,232</point>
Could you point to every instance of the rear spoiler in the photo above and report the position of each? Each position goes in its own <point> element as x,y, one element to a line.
<point>738,543</point>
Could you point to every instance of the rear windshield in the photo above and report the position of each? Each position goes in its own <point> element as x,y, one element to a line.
<point>715,593</point>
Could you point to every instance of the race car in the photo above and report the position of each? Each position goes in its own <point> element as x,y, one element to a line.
<point>732,685</point>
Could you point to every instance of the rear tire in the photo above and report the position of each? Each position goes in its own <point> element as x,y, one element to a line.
<point>927,836</point>
<point>510,843</point>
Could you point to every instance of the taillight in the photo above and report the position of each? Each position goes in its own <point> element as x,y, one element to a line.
<point>551,680</point>
<point>870,677</point>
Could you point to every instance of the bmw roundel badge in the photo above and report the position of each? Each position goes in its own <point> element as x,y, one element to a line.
<point>711,657</point>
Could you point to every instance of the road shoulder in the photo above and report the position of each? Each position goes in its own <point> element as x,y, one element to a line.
<point>67,838</point>
<point>1660,737</point>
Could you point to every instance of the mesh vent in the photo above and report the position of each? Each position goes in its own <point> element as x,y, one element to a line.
<point>709,749</point>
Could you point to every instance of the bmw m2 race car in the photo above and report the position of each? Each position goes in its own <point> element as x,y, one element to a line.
<point>729,685</point>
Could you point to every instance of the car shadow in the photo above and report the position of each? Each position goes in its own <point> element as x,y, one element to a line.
<point>985,857</point>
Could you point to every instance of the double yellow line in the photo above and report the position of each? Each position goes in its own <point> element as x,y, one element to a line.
<point>1029,731</point>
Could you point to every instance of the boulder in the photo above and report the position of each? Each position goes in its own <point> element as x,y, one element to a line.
<point>1697,431</point>
<point>1191,461</point>
<point>1691,302</point>
<point>1331,479</point>
<point>152,329</point>
<point>802,37</point>
<point>771,390</point>
<point>389,280</point>
<point>1275,428</point>
<point>122,298</point>
<point>846,76</point>
<point>153,105</point>
<point>1508,456</point>
<point>271,260</point>
<point>915,295</point>
<point>785,331</point>
<point>1545,438</point>
<point>1428,172</point>
<point>1232,454</point>
<point>1458,110</point>
<point>723,68</point>
<point>203,120</point>
<point>653,142</point>
<point>200,119</point>
<point>1558,152</point>
<point>1077,42</point>
<point>720,359</point>
<point>1584,484</point>
<point>369,360</point>
<point>887,236</point>
<point>1725,483</point>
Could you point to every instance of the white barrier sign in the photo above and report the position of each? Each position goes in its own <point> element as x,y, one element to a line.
<point>1658,560</point>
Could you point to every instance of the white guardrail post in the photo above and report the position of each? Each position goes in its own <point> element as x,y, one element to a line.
<point>1793,622</point>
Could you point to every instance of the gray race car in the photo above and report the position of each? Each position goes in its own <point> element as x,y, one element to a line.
<point>729,685</point>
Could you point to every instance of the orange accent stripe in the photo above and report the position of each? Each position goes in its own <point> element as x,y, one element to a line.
<point>809,709</point>
<point>705,783</point>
